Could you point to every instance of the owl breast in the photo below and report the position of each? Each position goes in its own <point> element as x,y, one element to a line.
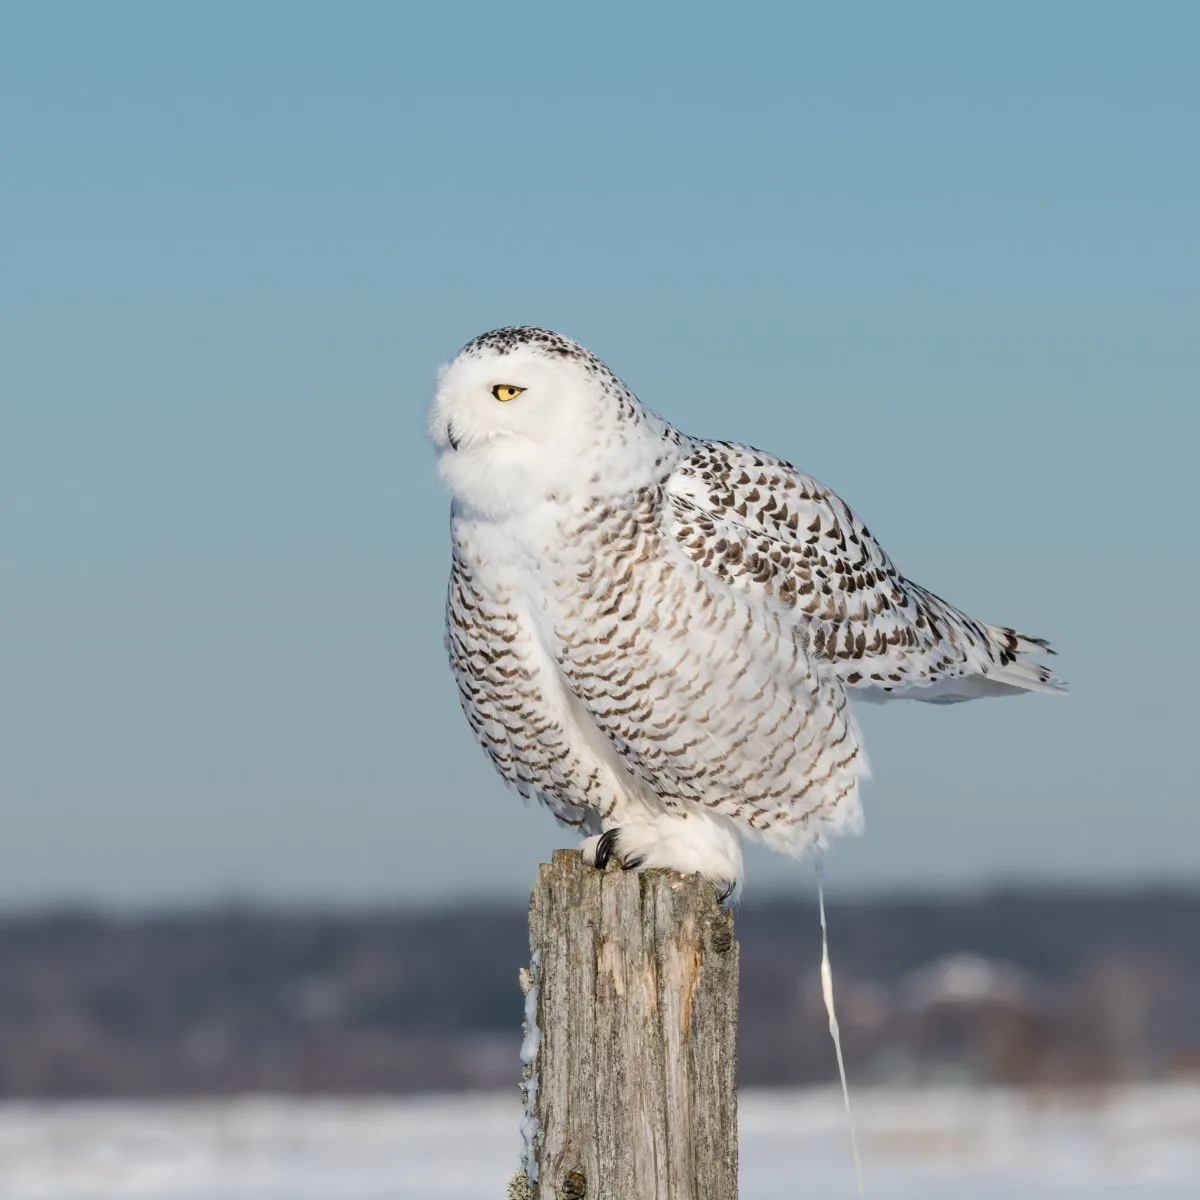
<point>509,687</point>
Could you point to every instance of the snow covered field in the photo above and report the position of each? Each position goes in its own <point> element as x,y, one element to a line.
<point>1136,1144</point>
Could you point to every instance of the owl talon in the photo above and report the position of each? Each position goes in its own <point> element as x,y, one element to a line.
<point>604,848</point>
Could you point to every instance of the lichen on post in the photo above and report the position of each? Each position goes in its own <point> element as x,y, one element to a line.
<point>630,1063</point>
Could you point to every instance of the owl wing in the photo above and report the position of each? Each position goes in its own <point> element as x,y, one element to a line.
<point>701,697</point>
<point>757,523</point>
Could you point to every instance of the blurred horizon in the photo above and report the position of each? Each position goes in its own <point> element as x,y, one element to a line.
<point>1030,988</point>
<point>801,890</point>
<point>947,261</point>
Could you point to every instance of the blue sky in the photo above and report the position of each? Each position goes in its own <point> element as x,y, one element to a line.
<point>944,257</point>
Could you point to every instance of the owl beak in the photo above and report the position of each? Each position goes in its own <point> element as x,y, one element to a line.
<point>450,435</point>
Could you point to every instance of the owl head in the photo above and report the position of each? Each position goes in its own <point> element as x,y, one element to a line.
<point>524,415</point>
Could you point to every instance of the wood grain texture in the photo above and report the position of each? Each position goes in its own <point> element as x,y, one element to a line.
<point>637,977</point>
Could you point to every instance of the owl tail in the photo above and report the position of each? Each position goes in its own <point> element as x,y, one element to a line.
<point>1016,672</point>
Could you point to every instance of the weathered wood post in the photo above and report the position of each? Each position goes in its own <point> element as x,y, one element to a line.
<point>630,1047</point>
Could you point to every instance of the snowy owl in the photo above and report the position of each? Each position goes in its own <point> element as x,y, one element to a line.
<point>659,636</point>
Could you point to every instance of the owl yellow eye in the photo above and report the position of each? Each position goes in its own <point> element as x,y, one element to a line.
<point>506,391</point>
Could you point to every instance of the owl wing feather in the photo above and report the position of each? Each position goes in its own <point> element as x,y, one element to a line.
<point>756,522</point>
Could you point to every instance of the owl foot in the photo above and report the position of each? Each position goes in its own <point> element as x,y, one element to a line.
<point>599,851</point>
<point>691,845</point>
<point>607,846</point>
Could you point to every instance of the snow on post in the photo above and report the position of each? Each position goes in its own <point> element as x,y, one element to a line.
<point>630,1043</point>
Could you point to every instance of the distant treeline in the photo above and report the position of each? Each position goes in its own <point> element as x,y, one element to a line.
<point>1017,986</point>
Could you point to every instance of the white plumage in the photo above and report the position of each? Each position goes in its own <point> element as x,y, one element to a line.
<point>658,636</point>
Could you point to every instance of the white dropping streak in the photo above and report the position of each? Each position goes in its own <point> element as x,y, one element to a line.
<point>834,1031</point>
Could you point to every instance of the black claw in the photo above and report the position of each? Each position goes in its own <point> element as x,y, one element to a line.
<point>723,896</point>
<point>632,864</point>
<point>604,848</point>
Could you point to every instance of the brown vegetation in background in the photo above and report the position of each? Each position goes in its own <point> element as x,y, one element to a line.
<point>1018,987</point>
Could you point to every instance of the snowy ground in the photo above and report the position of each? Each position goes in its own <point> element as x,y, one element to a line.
<point>1135,1144</point>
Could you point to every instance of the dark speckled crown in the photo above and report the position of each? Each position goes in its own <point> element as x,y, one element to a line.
<point>547,341</point>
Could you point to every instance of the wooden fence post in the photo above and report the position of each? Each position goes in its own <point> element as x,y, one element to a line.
<point>630,1045</point>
